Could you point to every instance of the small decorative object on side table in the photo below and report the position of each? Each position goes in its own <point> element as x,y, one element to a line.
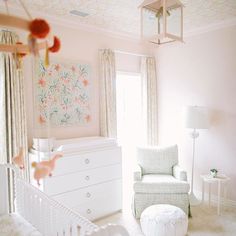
<point>214,178</point>
<point>214,172</point>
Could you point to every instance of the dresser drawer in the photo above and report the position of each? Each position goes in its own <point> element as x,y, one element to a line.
<point>61,184</point>
<point>101,206</point>
<point>77,197</point>
<point>89,160</point>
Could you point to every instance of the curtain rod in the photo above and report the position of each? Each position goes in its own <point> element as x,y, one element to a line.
<point>132,54</point>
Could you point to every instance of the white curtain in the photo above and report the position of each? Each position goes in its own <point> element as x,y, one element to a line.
<point>149,100</point>
<point>108,124</point>
<point>12,108</point>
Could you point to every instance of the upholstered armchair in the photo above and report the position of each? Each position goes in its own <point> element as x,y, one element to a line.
<point>159,180</point>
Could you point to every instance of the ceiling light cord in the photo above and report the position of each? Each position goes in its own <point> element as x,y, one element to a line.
<point>26,10</point>
<point>6,6</point>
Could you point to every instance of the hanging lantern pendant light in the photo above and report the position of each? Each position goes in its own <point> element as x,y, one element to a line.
<point>162,10</point>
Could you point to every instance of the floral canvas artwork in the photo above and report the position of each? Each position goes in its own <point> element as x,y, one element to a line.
<point>62,94</point>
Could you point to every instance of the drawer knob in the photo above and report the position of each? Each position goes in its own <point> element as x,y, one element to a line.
<point>88,195</point>
<point>86,161</point>
<point>87,177</point>
<point>88,211</point>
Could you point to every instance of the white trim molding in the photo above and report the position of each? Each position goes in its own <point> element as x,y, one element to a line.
<point>127,73</point>
<point>132,54</point>
<point>211,27</point>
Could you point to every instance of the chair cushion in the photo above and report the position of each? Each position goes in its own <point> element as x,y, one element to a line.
<point>160,184</point>
<point>155,160</point>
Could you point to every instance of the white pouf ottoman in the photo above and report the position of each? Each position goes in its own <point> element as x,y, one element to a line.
<point>164,220</point>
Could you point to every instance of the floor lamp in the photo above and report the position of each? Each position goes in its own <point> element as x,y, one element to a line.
<point>196,118</point>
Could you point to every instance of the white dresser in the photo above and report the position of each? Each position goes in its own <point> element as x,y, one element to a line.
<point>88,178</point>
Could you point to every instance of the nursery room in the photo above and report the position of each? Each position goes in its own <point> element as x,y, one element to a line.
<point>117,118</point>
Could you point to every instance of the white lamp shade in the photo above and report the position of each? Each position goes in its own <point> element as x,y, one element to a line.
<point>196,117</point>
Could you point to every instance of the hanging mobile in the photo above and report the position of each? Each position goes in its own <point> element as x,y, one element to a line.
<point>39,30</point>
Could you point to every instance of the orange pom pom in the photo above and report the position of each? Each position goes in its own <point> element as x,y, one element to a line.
<point>39,28</point>
<point>56,45</point>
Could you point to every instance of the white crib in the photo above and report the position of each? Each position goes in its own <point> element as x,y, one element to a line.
<point>51,218</point>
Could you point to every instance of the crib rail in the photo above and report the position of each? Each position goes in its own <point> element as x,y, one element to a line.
<point>50,217</point>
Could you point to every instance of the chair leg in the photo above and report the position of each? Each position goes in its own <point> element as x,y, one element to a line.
<point>189,211</point>
<point>133,207</point>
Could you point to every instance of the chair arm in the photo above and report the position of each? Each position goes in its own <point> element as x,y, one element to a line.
<point>137,173</point>
<point>179,173</point>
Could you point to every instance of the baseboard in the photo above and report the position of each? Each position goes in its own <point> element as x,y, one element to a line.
<point>214,199</point>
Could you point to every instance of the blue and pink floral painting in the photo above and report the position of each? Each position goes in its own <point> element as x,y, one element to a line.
<point>62,94</point>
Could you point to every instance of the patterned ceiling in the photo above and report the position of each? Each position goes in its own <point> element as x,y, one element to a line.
<point>123,16</point>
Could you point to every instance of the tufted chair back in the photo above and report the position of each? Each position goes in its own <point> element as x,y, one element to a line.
<point>154,160</point>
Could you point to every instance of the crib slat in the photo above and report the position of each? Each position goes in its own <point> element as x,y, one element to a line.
<point>51,218</point>
<point>40,221</point>
<point>50,221</point>
<point>34,210</point>
<point>57,222</point>
<point>74,229</point>
<point>30,205</point>
<point>27,200</point>
<point>66,230</point>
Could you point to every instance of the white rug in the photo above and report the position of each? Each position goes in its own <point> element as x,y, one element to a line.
<point>204,222</point>
<point>14,225</point>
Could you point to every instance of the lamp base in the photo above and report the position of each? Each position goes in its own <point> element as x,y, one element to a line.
<point>193,200</point>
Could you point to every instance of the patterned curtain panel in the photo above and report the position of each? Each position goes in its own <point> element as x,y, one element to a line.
<point>149,99</point>
<point>108,124</point>
<point>12,104</point>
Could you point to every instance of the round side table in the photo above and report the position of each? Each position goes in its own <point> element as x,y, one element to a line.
<point>219,180</point>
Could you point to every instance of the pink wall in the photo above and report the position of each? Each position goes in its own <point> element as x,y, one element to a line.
<point>201,72</point>
<point>82,46</point>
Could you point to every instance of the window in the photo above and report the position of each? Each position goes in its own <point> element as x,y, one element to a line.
<point>128,91</point>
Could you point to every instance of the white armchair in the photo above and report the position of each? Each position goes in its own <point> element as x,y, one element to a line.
<point>159,180</point>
